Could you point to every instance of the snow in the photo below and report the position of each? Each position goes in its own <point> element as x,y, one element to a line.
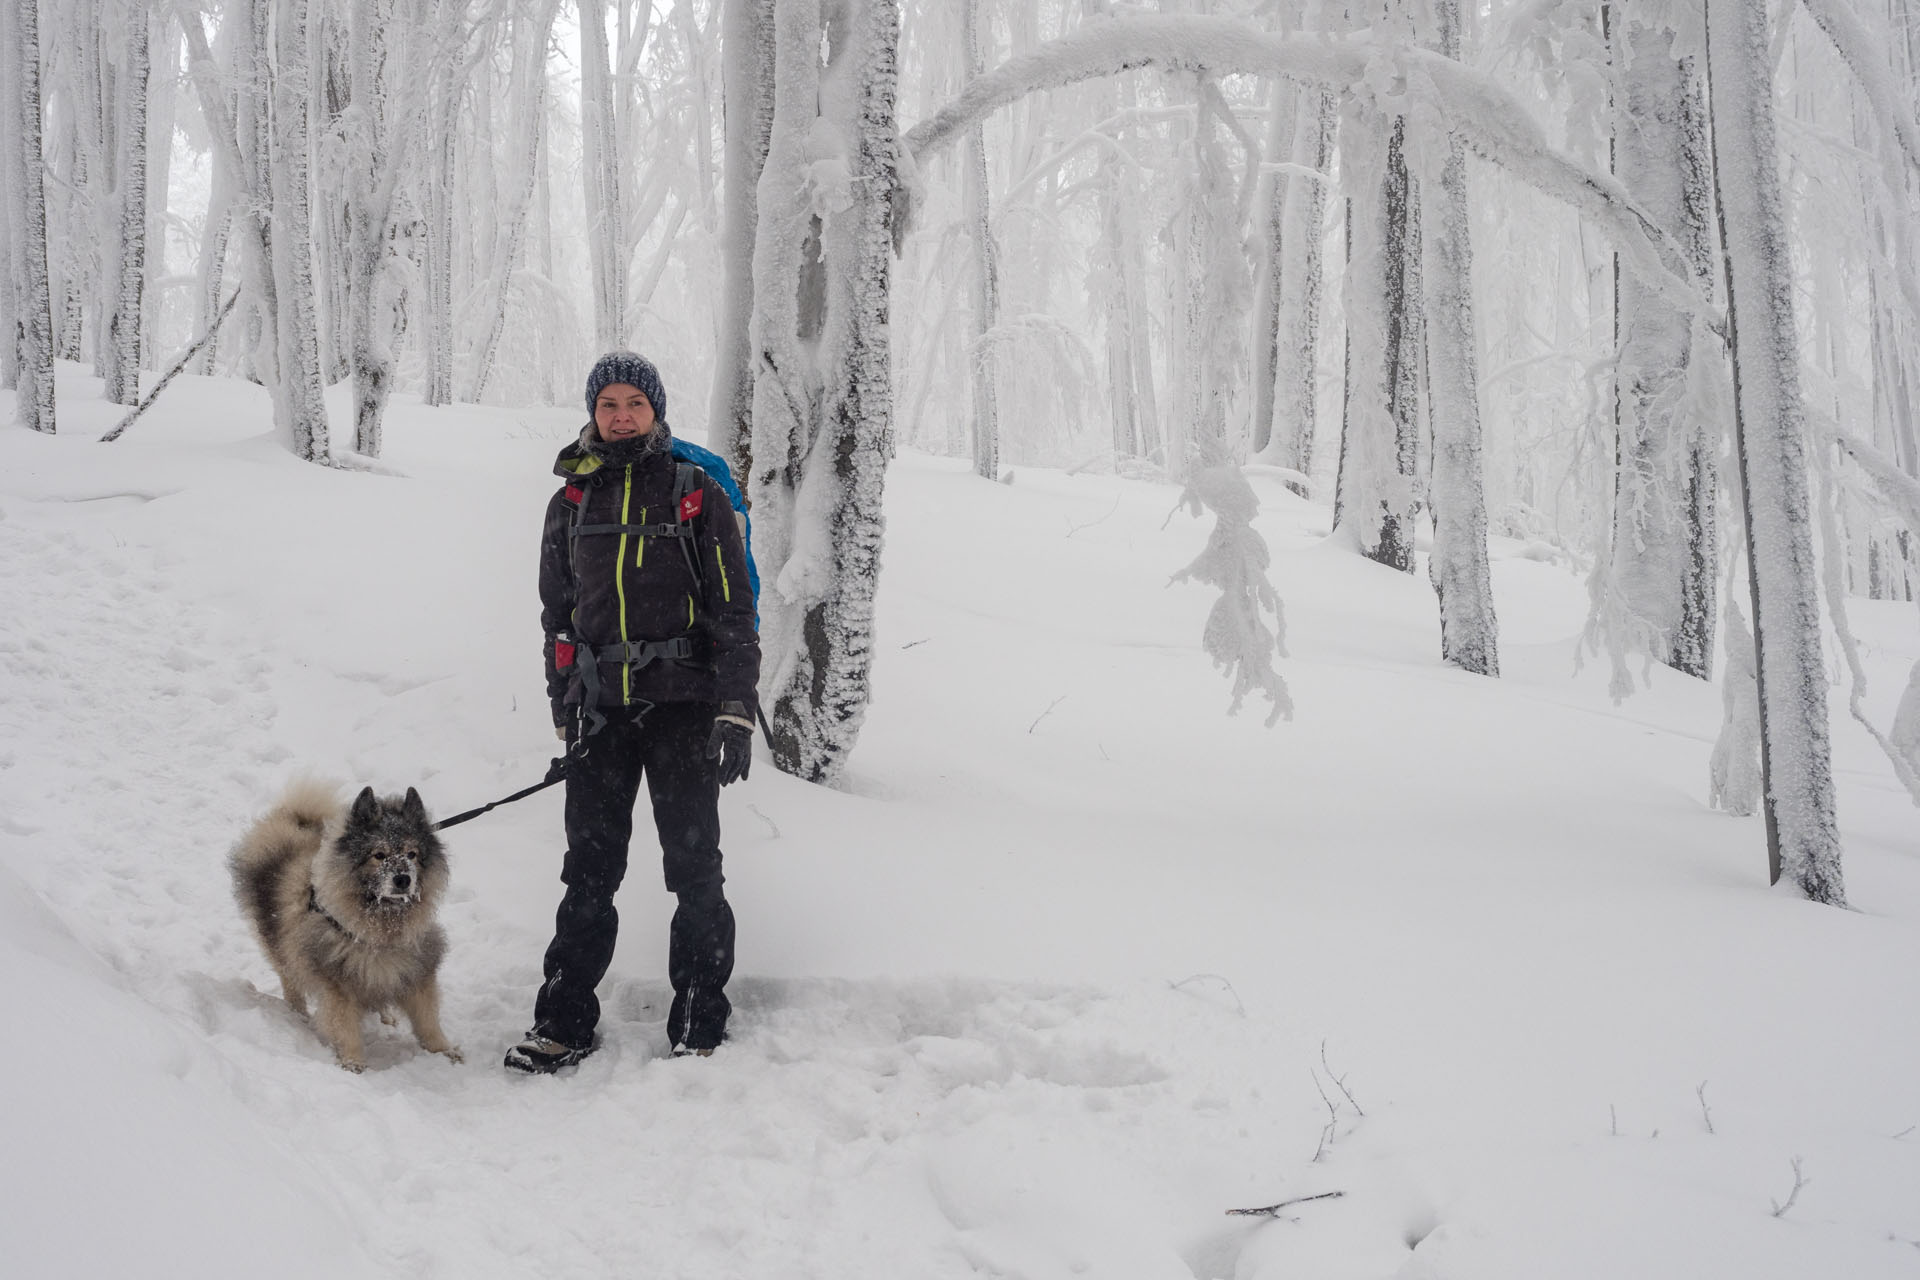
<point>1059,977</point>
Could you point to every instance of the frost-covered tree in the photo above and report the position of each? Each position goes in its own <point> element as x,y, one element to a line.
<point>31,318</point>
<point>392,53</point>
<point>1379,437</point>
<point>1770,429</point>
<point>1459,565</point>
<point>298,386</point>
<point>1654,590</point>
<point>822,413</point>
<point>748,70</point>
<point>529,101</point>
<point>1286,390</point>
<point>1734,780</point>
<point>984,281</point>
<point>125,309</point>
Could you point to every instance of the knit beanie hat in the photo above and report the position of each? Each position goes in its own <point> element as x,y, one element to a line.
<point>632,369</point>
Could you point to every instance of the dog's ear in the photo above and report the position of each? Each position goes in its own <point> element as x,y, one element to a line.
<point>413,808</point>
<point>366,808</point>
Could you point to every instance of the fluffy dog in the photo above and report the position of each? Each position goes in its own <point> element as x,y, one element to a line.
<point>342,899</point>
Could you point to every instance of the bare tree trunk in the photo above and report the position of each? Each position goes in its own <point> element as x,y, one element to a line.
<point>1802,832</point>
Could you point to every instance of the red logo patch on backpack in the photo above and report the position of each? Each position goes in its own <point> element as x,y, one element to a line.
<point>575,493</point>
<point>690,505</point>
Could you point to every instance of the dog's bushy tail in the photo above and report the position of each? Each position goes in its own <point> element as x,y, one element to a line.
<point>293,827</point>
<point>308,802</point>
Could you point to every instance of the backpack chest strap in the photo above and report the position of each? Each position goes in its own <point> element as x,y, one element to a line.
<point>642,530</point>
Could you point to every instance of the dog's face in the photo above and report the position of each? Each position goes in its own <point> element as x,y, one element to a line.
<point>392,851</point>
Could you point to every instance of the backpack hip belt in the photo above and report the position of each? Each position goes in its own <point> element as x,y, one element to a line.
<point>637,654</point>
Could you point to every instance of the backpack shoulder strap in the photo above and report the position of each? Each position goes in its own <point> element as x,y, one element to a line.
<point>688,480</point>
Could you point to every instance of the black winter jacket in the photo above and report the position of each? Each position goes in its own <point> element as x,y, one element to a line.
<point>600,590</point>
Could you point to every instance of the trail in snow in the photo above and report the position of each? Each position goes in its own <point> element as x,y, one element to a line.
<point>966,1041</point>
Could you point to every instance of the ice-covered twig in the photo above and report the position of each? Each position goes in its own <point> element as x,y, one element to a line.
<point>1327,1131</point>
<point>1799,1180</point>
<point>1044,714</point>
<point>1340,1082</point>
<point>1075,528</point>
<point>1181,985</point>
<point>1706,1112</point>
<point>1273,1210</point>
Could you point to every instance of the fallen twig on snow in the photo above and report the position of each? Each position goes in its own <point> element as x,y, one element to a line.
<point>1219,978</point>
<point>1799,1180</point>
<point>160,386</point>
<point>1333,1119</point>
<point>1044,714</point>
<point>1273,1210</point>
<point>1341,1081</point>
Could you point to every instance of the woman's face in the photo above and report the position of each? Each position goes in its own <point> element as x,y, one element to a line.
<point>621,412</point>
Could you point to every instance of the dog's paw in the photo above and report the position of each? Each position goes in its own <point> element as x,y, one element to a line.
<point>453,1054</point>
<point>355,1067</point>
<point>387,1019</point>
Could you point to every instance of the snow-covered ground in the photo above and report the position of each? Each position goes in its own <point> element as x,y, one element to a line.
<point>1073,965</point>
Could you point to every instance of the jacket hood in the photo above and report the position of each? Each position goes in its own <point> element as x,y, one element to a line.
<point>589,453</point>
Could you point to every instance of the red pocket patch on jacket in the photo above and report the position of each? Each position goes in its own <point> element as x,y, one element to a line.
<point>562,655</point>
<point>690,505</point>
<point>575,493</point>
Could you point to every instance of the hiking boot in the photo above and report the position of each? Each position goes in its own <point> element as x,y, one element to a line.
<point>539,1056</point>
<point>684,1051</point>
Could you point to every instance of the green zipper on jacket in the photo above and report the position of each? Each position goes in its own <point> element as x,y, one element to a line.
<point>620,590</point>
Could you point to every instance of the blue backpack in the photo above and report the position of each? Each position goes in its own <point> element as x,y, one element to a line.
<point>722,475</point>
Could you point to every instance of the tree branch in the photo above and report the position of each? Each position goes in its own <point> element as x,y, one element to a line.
<point>1273,1210</point>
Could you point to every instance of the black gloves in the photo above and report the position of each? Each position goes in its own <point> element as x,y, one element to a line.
<point>731,742</point>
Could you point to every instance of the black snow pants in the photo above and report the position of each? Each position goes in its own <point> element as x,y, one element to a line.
<point>668,745</point>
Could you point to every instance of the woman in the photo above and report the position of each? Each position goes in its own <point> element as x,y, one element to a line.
<point>652,659</point>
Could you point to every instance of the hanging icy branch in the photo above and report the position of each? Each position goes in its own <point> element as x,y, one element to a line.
<point>1905,760</point>
<point>1237,637</point>
<point>1863,53</point>
<point>1902,490</point>
<point>1440,96</point>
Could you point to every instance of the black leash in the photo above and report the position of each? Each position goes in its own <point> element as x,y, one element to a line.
<point>556,772</point>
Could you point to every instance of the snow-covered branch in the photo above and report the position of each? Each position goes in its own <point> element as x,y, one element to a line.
<point>1439,97</point>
